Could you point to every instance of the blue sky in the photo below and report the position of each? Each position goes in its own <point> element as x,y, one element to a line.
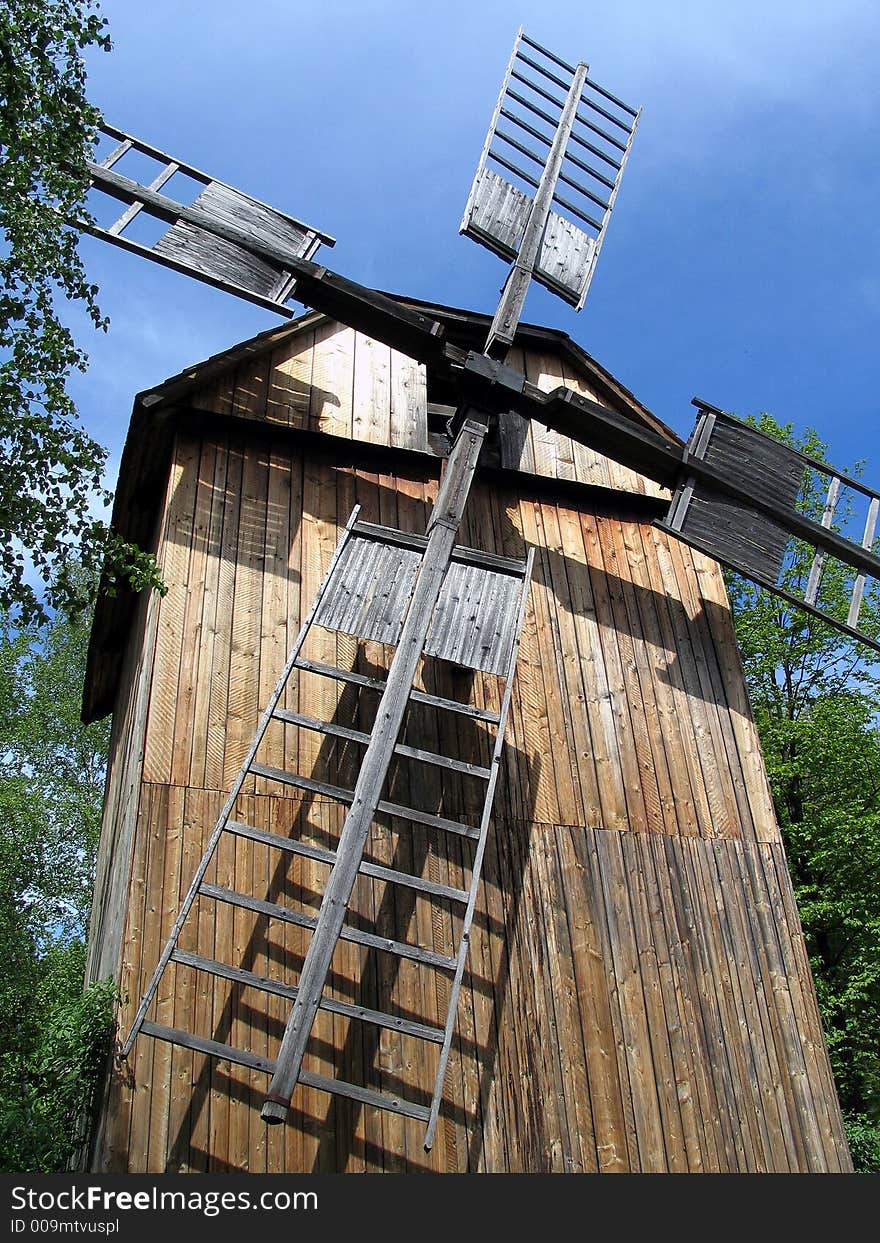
<point>742,263</point>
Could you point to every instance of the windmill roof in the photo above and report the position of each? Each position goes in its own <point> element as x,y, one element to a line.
<point>144,464</point>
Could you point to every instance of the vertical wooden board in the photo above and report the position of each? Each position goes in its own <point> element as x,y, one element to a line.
<point>172,1066</point>
<point>634,847</point>
<point>625,548</point>
<point>554,456</point>
<point>224,951</point>
<point>720,792</point>
<point>589,466</point>
<point>246,606</point>
<point>678,743</point>
<point>242,1101</point>
<point>317,695</point>
<point>669,768</point>
<point>251,387</point>
<point>569,696</point>
<point>125,1096</point>
<point>215,752</point>
<point>696,813</point>
<point>191,644</point>
<point>297,605</point>
<point>745,1104</point>
<point>141,1060</point>
<point>409,403</point>
<point>678,938</point>
<point>599,669</point>
<point>117,853</point>
<point>693,1158</point>
<point>536,1107</point>
<point>289,393</point>
<point>818,1088</point>
<point>202,809</point>
<point>330,407</point>
<point>634,1025</point>
<point>206,579</point>
<point>497,1141</point>
<point>626,1140</point>
<point>712,688</point>
<point>371,397</point>
<point>720,623</point>
<point>515,432</point>
<point>565,1040</point>
<point>537,706</point>
<point>836,1145</point>
<point>558,1140</point>
<point>319,538</point>
<point>605,579</point>
<point>767,1092</point>
<point>176,540</point>
<point>274,636</point>
<point>689,915</point>
<point>586,686</point>
<point>577,907</point>
<point>392,905</point>
<point>215,396</point>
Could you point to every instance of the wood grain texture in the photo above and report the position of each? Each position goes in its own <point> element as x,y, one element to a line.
<point>638,996</point>
<point>335,380</point>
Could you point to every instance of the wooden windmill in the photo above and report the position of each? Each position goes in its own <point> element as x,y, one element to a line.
<point>637,993</point>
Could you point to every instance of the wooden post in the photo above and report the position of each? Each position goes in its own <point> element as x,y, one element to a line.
<point>516,286</point>
<point>442,532</point>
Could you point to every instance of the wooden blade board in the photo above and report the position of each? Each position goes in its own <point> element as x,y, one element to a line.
<point>473,624</point>
<point>514,156</point>
<point>220,238</point>
<point>744,536</point>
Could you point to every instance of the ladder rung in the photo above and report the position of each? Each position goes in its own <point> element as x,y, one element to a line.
<point>360,736</point>
<point>254,1061</point>
<point>401,948</point>
<point>393,1022</point>
<point>377,684</point>
<point>308,851</point>
<point>345,796</point>
<point>441,761</point>
<point>302,783</point>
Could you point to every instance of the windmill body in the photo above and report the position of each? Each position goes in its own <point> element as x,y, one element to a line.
<point>364,520</point>
<point>638,994</point>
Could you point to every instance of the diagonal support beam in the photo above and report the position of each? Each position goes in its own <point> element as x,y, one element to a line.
<point>442,538</point>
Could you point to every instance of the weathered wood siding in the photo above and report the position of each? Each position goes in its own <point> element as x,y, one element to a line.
<point>335,380</point>
<point>639,996</point>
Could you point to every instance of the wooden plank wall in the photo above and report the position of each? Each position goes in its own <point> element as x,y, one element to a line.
<point>639,996</point>
<point>335,380</point>
<point>329,379</point>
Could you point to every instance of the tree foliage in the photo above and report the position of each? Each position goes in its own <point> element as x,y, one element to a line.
<point>816,699</point>
<point>53,1036</point>
<point>50,468</point>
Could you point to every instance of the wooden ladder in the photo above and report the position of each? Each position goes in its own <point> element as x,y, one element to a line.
<point>366,583</point>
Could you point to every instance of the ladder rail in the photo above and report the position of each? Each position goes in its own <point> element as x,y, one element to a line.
<point>226,810</point>
<point>477,867</point>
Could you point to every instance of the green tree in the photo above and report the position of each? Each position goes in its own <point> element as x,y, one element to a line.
<point>816,699</point>
<point>53,1036</point>
<point>50,468</point>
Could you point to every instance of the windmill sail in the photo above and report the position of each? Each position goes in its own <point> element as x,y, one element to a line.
<point>750,530</point>
<point>517,152</point>
<point>224,238</point>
